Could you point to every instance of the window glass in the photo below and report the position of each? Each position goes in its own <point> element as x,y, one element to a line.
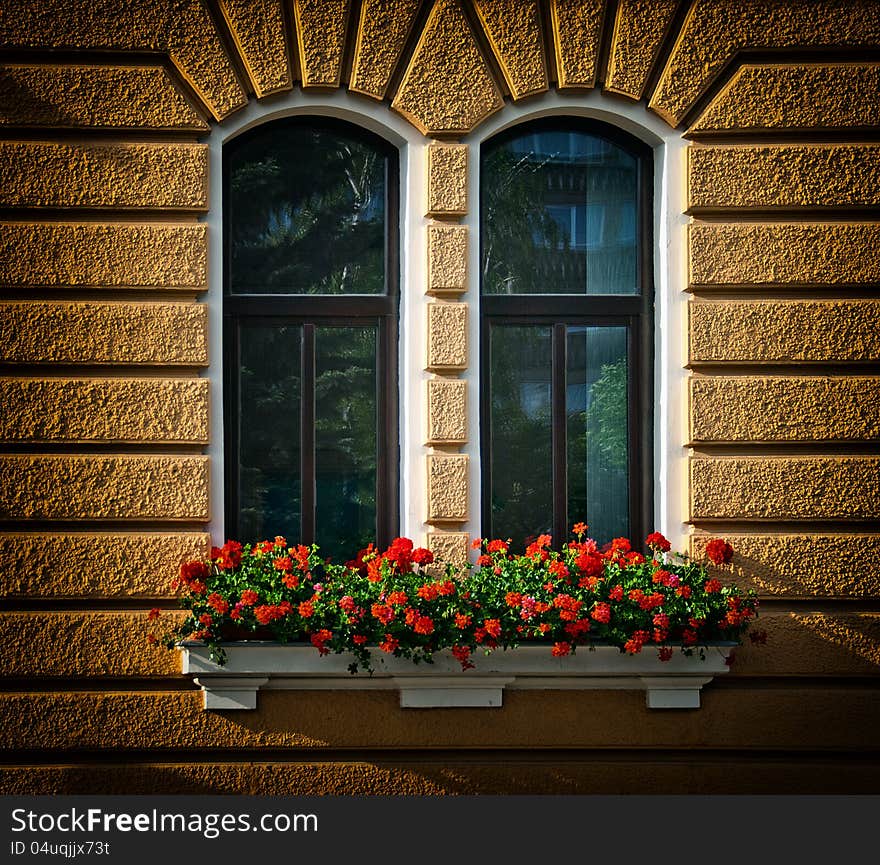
<point>306,213</point>
<point>559,215</point>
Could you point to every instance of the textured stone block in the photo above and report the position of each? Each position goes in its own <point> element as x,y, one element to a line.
<point>161,176</point>
<point>785,488</point>
<point>447,179</point>
<point>103,487</point>
<point>513,28</point>
<point>447,411</point>
<point>783,331</point>
<point>258,31</point>
<point>320,39</point>
<point>794,96</point>
<point>447,337</point>
<point>98,97</point>
<point>162,334</point>
<point>800,565</point>
<point>150,255</point>
<point>798,254</point>
<point>783,177</point>
<point>183,28</point>
<point>104,410</point>
<point>449,547</point>
<point>85,644</point>
<point>447,88</point>
<point>750,409</point>
<point>640,28</point>
<point>577,32</point>
<point>447,259</point>
<point>382,33</point>
<point>714,32</point>
<point>93,565</point>
<point>447,488</point>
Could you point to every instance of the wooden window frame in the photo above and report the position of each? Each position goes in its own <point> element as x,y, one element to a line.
<point>311,311</point>
<point>635,312</point>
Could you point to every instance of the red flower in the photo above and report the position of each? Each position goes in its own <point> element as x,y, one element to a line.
<point>280,541</point>
<point>616,594</point>
<point>462,621</point>
<point>712,586</point>
<point>151,639</point>
<point>389,645</point>
<point>190,571</point>
<point>423,625</point>
<point>428,592</point>
<point>513,599</point>
<point>306,609</point>
<point>206,619</point>
<point>153,614</point>
<point>590,564</point>
<point>218,603</point>
<point>359,639</point>
<point>580,529</point>
<point>561,649</point>
<point>228,556</point>
<point>476,543</point>
<point>462,654</point>
<point>320,638</point>
<point>719,551</point>
<point>484,560</point>
<point>664,653</point>
<point>558,569</point>
<point>283,564</point>
<point>602,613</point>
<point>656,541</point>
<point>397,597</point>
<point>492,627</point>
<point>383,613</point>
<point>347,604</point>
<point>249,597</point>
<point>683,591</point>
<point>290,580</point>
<point>266,613</point>
<point>421,556</point>
<point>497,546</point>
<point>447,587</point>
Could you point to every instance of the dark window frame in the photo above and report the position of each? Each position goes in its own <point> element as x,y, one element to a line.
<point>311,311</point>
<point>635,312</point>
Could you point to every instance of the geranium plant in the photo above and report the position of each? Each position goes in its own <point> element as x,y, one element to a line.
<point>397,601</point>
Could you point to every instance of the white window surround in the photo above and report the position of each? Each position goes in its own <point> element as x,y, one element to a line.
<point>670,278</point>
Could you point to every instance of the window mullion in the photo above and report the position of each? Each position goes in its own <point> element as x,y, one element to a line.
<point>560,435</point>
<point>307,432</point>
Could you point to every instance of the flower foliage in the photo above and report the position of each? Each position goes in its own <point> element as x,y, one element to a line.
<point>398,602</point>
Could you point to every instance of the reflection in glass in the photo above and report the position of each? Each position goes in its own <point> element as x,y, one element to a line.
<point>269,431</point>
<point>596,413</point>
<point>306,213</point>
<point>522,462</point>
<point>559,216</point>
<point>345,439</point>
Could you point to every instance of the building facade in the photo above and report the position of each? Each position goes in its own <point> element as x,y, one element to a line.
<point>663,210</point>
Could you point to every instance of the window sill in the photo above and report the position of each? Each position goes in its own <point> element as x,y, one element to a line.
<point>255,665</point>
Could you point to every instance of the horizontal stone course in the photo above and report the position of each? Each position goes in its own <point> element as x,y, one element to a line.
<point>783,177</point>
<point>103,487</point>
<point>104,410</point>
<point>784,331</point>
<point>95,565</point>
<point>785,488</point>
<point>103,255</point>
<point>800,565</point>
<point>101,175</point>
<point>86,332</point>
<point>752,409</point>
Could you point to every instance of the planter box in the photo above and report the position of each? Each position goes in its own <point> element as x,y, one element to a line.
<point>253,665</point>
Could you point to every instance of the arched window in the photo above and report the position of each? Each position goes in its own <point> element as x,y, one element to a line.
<point>566,330</point>
<point>310,334</point>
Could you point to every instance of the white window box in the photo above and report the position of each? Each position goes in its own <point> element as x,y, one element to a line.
<point>250,666</point>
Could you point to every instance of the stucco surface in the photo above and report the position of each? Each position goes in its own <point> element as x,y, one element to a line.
<point>447,411</point>
<point>731,717</point>
<point>577,30</point>
<point>785,331</point>
<point>801,565</point>
<point>785,254</point>
<point>104,410</point>
<point>85,332</point>
<point>513,28</point>
<point>715,30</point>
<point>98,97</point>
<point>183,28</point>
<point>447,488</point>
<point>447,336</point>
<point>449,546</point>
<point>258,31</point>
<point>382,33</point>
<point>447,179</point>
<point>103,487</point>
<point>784,176</point>
<point>320,40</point>
<point>785,488</point>
<point>447,259</point>
<point>91,645</point>
<point>639,29</point>
<point>95,565</point>
<point>752,409</point>
<point>805,96</point>
<point>58,174</point>
<point>103,255</point>
<point>447,88</point>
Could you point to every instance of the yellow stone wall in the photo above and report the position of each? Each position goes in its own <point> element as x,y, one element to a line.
<point>105,112</point>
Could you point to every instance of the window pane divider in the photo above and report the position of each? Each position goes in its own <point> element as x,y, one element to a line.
<point>307,426</point>
<point>559,435</point>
